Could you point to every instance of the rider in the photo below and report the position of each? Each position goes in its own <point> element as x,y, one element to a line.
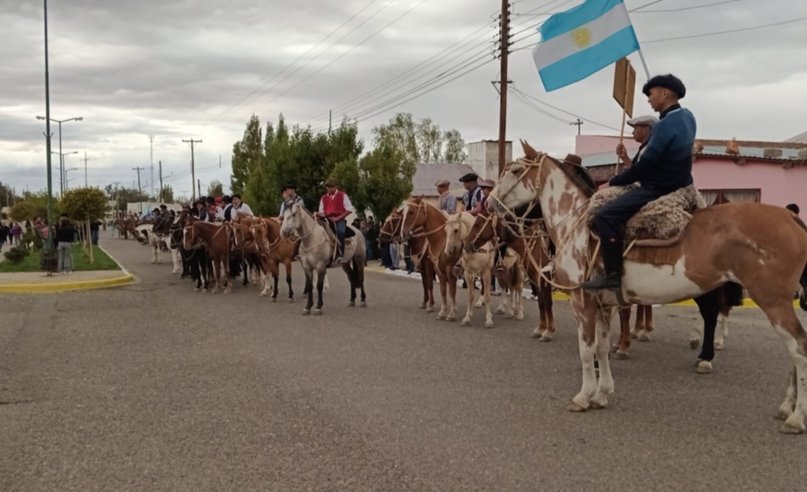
<point>448,202</point>
<point>290,197</point>
<point>664,166</point>
<point>642,126</point>
<point>336,206</point>
<point>473,193</point>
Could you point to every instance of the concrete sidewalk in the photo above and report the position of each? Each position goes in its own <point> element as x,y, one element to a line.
<point>40,282</point>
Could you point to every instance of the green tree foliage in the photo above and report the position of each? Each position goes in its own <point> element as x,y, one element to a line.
<point>6,195</point>
<point>29,209</point>
<point>215,188</point>
<point>386,178</point>
<point>167,194</point>
<point>401,133</point>
<point>430,142</point>
<point>84,204</point>
<point>124,196</point>
<point>246,155</point>
<point>454,147</point>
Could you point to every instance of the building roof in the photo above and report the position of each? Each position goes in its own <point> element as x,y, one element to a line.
<point>427,174</point>
<point>800,138</point>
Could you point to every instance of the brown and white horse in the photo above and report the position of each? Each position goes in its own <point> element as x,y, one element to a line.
<point>420,219</point>
<point>317,252</point>
<point>216,239</point>
<point>760,246</point>
<point>274,250</point>
<point>419,248</point>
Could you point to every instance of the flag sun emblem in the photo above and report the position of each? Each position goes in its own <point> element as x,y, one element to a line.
<point>581,37</point>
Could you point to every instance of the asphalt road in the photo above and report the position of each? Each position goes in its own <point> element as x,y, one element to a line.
<point>156,387</point>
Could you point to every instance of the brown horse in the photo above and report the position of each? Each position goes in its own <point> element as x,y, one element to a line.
<point>422,220</point>
<point>274,250</point>
<point>419,247</point>
<point>216,239</point>
<point>532,245</point>
<point>760,246</point>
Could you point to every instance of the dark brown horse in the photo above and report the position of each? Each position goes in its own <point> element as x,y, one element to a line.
<point>216,239</point>
<point>418,246</point>
<point>530,241</point>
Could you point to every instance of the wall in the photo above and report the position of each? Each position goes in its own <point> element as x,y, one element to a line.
<point>483,157</point>
<point>779,186</point>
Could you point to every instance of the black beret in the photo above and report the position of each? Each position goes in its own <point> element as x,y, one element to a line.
<point>469,177</point>
<point>668,81</point>
<point>226,199</point>
<point>288,187</point>
<point>235,195</point>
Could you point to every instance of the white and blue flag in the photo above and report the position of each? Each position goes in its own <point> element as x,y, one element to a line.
<point>578,42</point>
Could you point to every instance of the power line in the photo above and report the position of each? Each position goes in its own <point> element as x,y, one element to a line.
<point>682,9</point>
<point>730,31</point>
<point>563,110</point>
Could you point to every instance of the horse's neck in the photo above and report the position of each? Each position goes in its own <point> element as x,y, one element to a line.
<point>313,231</point>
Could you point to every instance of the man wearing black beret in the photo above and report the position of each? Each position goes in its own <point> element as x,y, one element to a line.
<point>473,193</point>
<point>663,167</point>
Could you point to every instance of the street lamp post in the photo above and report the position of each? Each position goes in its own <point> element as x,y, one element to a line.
<point>61,155</point>
<point>63,174</point>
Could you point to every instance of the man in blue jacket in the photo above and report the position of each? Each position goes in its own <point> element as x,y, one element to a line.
<point>663,167</point>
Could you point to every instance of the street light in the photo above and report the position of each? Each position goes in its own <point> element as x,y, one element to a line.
<point>67,179</point>
<point>61,155</point>
<point>62,172</point>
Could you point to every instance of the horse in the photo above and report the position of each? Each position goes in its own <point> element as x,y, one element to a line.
<point>531,244</point>
<point>419,248</point>
<point>478,262</point>
<point>762,247</point>
<point>318,247</point>
<point>274,250</point>
<point>216,240</point>
<point>421,219</point>
<point>155,235</point>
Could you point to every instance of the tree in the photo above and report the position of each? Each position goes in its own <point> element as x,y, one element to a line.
<point>84,204</point>
<point>167,194</point>
<point>454,147</point>
<point>247,155</point>
<point>125,196</point>
<point>400,132</point>
<point>386,178</point>
<point>29,209</point>
<point>430,141</point>
<point>215,188</point>
<point>6,195</point>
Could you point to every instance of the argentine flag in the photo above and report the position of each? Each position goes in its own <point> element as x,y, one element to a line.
<point>578,42</point>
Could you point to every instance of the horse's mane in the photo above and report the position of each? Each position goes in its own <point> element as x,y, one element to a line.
<point>576,173</point>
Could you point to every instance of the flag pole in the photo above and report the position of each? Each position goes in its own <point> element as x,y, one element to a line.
<point>624,115</point>
<point>644,63</point>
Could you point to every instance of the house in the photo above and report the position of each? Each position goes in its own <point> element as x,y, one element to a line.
<point>723,170</point>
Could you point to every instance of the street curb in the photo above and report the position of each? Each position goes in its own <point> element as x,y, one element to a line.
<point>55,287</point>
<point>560,296</point>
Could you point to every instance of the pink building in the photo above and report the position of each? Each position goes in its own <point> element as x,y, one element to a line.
<point>724,170</point>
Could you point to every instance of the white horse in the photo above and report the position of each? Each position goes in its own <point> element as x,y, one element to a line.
<point>154,239</point>
<point>318,252</point>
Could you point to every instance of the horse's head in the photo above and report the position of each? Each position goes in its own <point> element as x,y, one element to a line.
<point>456,233</point>
<point>190,237</point>
<point>413,217</point>
<point>292,221</point>
<point>483,230</point>
<point>391,228</point>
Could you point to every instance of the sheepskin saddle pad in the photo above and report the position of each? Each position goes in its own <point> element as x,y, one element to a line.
<point>663,219</point>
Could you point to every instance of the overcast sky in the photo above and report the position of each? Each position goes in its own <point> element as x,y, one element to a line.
<point>199,68</point>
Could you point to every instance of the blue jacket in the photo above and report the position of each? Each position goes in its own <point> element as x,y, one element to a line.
<point>666,163</point>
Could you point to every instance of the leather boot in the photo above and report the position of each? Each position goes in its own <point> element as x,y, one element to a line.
<point>612,278</point>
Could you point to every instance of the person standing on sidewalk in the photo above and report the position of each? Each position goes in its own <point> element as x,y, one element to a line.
<point>65,235</point>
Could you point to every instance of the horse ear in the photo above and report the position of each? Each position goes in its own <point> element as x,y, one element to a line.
<point>529,152</point>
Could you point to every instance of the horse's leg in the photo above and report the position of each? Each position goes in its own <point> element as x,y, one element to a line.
<point>287,264</point>
<point>425,292</point>
<point>469,310</point>
<point>428,273</point>
<point>518,290</point>
<point>452,297</point>
<point>605,383</point>
<point>640,328</point>
<point>360,279</point>
<point>623,344</point>
<point>154,253</point>
<point>709,308</point>
<point>486,283</point>
<point>545,308</point>
<point>228,284</point>
<point>585,311</point>
<point>443,313</point>
<point>309,289</point>
<point>320,285</point>
<point>723,326</point>
<point>351,277</point>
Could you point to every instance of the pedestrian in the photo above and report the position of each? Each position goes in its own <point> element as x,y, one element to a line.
<point>4,233</point>
<point>664,166</point>
<point>95,226</point>
<point>65,235</point>
<point>16,234</point>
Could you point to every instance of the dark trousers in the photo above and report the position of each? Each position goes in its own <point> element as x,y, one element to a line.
<point>610,221</point>
<point>340,233</point>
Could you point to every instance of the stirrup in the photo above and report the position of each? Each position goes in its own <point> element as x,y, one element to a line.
<point>601,281</point>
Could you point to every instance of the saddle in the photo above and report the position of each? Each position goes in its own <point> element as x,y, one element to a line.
<point>330,229</point>
<point>331,226</point>
<point>660,222</point>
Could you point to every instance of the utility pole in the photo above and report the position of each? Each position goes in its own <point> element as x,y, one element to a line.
<point>578,123</point>
<point>139,190</point>
<point>85,170</point>
<point>193,167</point>
<point>504,42</point>
<point>199,186</point>
<point>151,160</point>
<point>161,181</point>
<point>330,115</point>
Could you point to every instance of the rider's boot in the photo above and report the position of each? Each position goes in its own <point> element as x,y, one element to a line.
<point>612,277</point>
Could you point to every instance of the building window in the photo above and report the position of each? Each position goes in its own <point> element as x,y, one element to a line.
<point>716,197</point>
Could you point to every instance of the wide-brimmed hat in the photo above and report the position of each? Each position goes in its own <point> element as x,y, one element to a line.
<point>486,183</point>
<point>469,177</point>
<point>667,81</point>
<point>331,182</point>
<point>645,120</point>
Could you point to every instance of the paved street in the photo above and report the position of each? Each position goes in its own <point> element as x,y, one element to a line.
<point>155,387</point>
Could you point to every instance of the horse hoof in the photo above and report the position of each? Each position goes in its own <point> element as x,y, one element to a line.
<point>787,428</point>
<point>317,312</point>
<point>489,324</point>
<point>351,304</point>
<point>519,316</point>
<point>545,338</point>
<point>422,306</point>
<point>694,343</point>
<point>291,300</point>
<point>465,322</point>
<point>363,304</point>
<point>500,310</point>
<point>620,355</point>
<point>196,289</point>
<point>704,367</point>
<point>451,318</point>
<point>644,337</point>
<point>718,345</point>
<point>634,335</point>
<point>441,316</point>
<point>306,312</point>
<point>782,414</point>
<point>535,334</point>
<point>574,407</point>
<point>595,405</point>
<point>429,309</point>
